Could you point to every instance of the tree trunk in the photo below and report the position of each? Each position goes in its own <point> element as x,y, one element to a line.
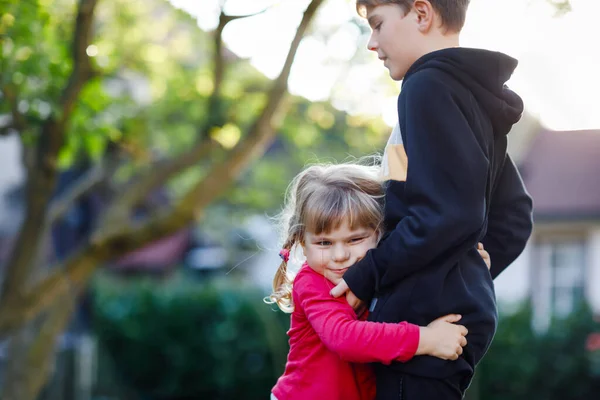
<point>31,353</point>
<point>31,357</point>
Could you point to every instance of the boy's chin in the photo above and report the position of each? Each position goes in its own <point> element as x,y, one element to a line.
<point>395,75</point>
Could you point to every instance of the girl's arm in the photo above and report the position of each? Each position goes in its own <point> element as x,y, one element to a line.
<point>336,324</point>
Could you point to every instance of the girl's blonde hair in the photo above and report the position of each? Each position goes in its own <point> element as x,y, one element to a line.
<point>320,199</point>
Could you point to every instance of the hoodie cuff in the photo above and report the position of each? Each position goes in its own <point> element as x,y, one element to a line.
<point>360,278</point>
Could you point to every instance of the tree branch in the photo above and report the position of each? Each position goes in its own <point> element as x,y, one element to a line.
<point>27,353</point>
<point>105,245</point>
<point>219,68</point>
<point>260,135</point>
<point>42,173</point>
<point>82,69</point>
<point>71,276</point>
<point>279,88</point>
<point>83,185</point>
<point>155,176</point>
<point>163,171</point>
<point>228,18</point>
<point>18,120</point>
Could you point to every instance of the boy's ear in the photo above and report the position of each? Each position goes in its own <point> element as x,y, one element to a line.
<point>425,15</point>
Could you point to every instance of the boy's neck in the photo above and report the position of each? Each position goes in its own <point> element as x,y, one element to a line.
<point>441,41</point>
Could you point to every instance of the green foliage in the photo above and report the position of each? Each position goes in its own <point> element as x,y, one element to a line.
<point>142,67</point>
<point>553,365</point>
<point>562,6</point>
<point>185,339</point>
<point>34,60</point>
<point>311,132</point>
<point>155,77</point>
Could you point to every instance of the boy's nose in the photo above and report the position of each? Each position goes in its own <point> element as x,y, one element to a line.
<point>372,44</point>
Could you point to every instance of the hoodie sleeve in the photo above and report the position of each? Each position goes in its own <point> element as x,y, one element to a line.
<point>509,221</point>
<point>444,190</point>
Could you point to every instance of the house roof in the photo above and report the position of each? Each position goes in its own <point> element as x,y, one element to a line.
<point>561,171</point>
<point>162,253</point>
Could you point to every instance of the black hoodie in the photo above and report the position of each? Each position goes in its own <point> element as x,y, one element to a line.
<point>461,188</point>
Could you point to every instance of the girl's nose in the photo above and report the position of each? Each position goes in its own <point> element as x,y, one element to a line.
<point>340,254</point>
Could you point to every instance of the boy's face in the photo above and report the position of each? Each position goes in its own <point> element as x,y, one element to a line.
<point>332,253</point>
<point>395,37</point>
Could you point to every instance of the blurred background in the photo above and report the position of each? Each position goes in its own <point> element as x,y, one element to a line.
<point>146,145</point>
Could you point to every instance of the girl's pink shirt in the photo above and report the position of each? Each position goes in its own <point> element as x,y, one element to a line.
<point>329,346</point>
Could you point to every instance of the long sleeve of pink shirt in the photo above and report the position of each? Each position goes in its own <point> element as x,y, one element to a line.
<point>337,326</point>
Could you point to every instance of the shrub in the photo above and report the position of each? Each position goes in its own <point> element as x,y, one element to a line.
<point>556,364</point>
<point>188,340</point>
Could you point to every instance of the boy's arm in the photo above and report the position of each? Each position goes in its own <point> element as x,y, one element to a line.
<point>509,220</point>
<point>336,324</point>
<point>444,189</point>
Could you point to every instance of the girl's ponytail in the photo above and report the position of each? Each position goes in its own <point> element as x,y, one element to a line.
<point>282,284</point>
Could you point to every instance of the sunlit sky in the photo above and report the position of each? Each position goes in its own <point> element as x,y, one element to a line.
<point>559,57</point>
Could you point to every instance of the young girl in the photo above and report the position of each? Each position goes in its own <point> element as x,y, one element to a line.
<point>334,213</point>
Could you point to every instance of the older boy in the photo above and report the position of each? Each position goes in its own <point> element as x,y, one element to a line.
<point>451,184</point>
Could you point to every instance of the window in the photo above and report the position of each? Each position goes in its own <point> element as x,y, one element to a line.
<point>567,267</point>
<point>560,278</point>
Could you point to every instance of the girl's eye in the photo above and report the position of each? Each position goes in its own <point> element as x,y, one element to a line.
<point>355,240</point>
<point>378,26</point>
<point>324,243</point>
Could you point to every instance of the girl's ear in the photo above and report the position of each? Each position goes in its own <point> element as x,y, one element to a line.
<point>301,243</point>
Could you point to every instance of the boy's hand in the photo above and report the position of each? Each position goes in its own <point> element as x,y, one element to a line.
<point>485,255</point>
<point>340,289</point>
<point>442,338</point>
<point>357,304</point>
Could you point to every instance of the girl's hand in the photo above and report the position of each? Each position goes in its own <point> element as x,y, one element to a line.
<point>443,338</point>
<point>485,255</point>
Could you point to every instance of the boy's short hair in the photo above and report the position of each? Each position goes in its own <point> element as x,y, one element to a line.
<point>452,12</point>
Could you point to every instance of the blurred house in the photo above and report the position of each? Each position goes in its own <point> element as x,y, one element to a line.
<point>11,179</point>
<point>561,265</point>
<point>11,183</point>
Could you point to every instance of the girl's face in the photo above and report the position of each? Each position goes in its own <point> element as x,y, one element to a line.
<point>332,253</point>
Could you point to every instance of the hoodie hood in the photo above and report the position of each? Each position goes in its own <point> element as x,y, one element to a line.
<point>485,74</point>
